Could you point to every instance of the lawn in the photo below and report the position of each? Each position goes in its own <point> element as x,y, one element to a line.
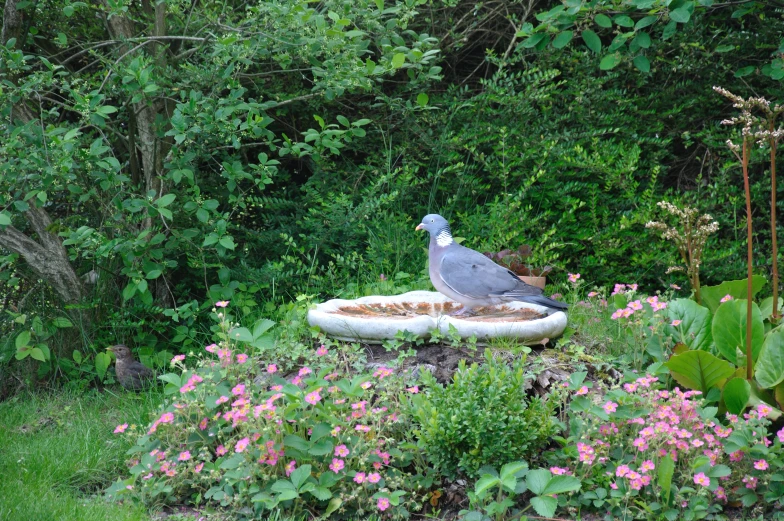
<point>59,453</point>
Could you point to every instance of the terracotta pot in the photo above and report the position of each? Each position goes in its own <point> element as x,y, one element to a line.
<point>539,282</point>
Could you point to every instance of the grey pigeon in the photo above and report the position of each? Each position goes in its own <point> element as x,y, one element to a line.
<point>470,278</point>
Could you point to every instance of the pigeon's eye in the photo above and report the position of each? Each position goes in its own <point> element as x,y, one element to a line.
<point>432,220</point>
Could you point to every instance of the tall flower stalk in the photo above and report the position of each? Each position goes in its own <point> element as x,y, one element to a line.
<point>762,131</point>
<point>689,237</point>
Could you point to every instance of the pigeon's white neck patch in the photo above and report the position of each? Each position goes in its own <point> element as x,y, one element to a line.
<point>444,238</point>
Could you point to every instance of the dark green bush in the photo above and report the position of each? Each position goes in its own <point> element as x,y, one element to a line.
<point>482,418</point>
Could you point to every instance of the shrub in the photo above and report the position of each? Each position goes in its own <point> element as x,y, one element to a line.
<point>239,435</point>
<point>482,418</point>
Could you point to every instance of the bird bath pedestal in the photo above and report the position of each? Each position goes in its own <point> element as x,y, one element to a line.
<point>377,318</point>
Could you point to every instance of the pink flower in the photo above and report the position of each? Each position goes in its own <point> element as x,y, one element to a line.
<point>336,465</point>
<point>238,390</point>
<point>366,385</point>
<point>610,407</point>
<point>630,388</point>
<point>618,314</point>
<point>725,298</point>
<point>242,358</point>
<point>304,371</point>
<point>178,358</point>
<point>761,465</point>
<point>222,399</point>
<point>621,471</point>
<point>764,409</point>
<point>374,477</point>
<point>413,390</point>
<point>362,428</point>
<point>647,465</point>
<point>272,368</point>
<point>736,456</point>
<point>121,428</point>
<point>184,456</point>
<point>203,423</point>
<point>701,479</point>
<point>321,351</point>
<point>290,467</point>
<point>613,486</point>
<point>640,443</point>
<point>675,323</point>
<point>198,468</point>
<point>314,397</point>
<point>592,294</point>
<point>212,348</point>
<point>558,471</point>
<point>221,450</point>
<point>581,391</point>
<point>750,481</point>
<point>383,503</point>
<point>242,444</point>
<point>342,451</point>
<point>636,305</point>
<point>359,477</point>
<point>573,277</point>
<point>221,303</point>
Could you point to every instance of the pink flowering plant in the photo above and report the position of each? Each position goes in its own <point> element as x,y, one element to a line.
<point>643,450</point>
<point>237,433</point>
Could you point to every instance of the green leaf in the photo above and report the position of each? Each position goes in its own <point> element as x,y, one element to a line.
<point>321,493</point>
<point>642,63</point>
<point>165,200</point>
<point>513,469</point>
<point>321,448</point>
<point>335,502</point>
<point>699,370</point>
<point>398,60</point>
<point>68,11</point>
<point>666,471</point>
<point>724,48</point>
<point>563,39</point>
<point>61,322</point>
<point>592,41</point>
<point>624,21</point>
<point>37,354</point>
<point>642,23</point>
<point>422,99</point>
<point>718,471</point>
<point>5,219</point>
<point>745,71</point>
<point>533,41</point>
<point>736,394</point>
<point>561,485</point>
<point>102,361</point>
<point>22,340</point>
<point>680,15</point>
<point>695,327</point>
<point>484,484</point>
<point>766,307</point>
<point>729,330</point>
<point>300,475</point>
<point>227,241</point>
<point>537,480</point>
<point>712,295</point>
<point>643,40</point>
<point>609,62</point>
<point>669,30</point>
<point>544,506</point>
<point>603,21</point>
<point>233,462</point>
<point>769,370</point>
<point>242,334</point>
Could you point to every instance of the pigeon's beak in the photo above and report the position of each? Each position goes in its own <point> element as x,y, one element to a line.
<point>420,226</point>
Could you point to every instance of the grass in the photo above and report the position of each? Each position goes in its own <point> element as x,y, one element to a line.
<point>59,453</point>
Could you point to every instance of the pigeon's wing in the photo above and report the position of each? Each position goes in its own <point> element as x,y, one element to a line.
<point>470,273</point>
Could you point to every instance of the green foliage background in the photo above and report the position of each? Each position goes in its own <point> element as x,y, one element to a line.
<point>294,146</point>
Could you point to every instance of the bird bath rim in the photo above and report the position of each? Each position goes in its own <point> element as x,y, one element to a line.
<point>377,318</point>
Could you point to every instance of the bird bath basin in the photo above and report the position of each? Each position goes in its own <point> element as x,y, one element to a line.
<point>377,318</point>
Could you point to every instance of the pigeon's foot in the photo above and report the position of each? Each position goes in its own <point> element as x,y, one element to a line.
<point>464,312</point>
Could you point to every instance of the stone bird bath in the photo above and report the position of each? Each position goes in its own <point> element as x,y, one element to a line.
<point>377,318</point>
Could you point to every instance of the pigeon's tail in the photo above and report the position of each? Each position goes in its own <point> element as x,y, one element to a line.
<point>547,302</point>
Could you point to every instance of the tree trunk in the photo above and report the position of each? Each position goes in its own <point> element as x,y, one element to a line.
<point>46,255</point>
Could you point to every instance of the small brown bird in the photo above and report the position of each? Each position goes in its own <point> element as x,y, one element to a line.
<point>131,374</point>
